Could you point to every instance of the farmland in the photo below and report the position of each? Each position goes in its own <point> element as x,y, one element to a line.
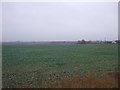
<point>40,65</point>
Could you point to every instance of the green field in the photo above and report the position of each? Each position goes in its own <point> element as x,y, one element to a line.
<point>35,65</point>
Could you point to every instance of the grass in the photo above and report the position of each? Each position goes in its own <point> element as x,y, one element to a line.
<point>90,80</point>
<point>41,65</point>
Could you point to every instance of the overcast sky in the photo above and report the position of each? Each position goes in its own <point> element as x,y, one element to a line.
<point>60,21</point>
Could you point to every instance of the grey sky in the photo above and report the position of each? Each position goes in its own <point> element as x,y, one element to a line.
<point>60,21</point>
<point>0,22</point>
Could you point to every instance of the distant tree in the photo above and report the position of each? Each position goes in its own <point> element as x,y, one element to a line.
<point>89,41</point>
<point>83,41</point>
<point>78,42</point>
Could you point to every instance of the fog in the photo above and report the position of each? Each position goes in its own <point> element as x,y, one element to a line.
<point>53,21</point>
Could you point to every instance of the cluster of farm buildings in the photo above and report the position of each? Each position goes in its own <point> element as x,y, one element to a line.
<point>98,42</point>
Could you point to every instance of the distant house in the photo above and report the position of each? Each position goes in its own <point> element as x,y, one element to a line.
<point>113,42</point>
<point>117,41</point>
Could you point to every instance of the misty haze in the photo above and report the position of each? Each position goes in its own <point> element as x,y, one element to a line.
<point>60,45</point>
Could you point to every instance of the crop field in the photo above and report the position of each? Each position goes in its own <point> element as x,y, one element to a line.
<point>44,65</point>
